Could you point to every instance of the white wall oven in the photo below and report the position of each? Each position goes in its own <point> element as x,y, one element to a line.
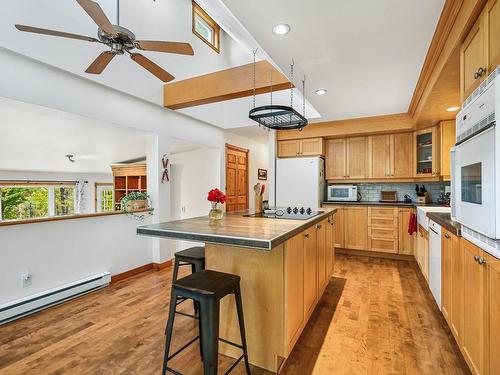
<point>476,165</point>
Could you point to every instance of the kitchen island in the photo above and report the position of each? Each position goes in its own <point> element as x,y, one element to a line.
<point>284,267</point>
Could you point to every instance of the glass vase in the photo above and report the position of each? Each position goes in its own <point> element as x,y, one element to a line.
<point>216,212</point>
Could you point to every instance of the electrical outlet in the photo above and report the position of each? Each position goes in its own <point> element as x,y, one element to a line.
<point>26,279</point>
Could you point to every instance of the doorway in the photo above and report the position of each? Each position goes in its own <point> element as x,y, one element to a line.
<point>236,178</point>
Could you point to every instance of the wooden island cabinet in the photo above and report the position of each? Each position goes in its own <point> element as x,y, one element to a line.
<point>284,265</point>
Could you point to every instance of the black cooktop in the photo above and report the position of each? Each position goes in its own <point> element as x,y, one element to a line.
<point>290,213</point>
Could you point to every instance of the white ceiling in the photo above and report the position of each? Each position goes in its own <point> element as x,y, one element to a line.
<point>35,138</point>
<point>367,54</point>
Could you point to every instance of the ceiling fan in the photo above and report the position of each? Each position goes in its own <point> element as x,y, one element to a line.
<point>120,40</point>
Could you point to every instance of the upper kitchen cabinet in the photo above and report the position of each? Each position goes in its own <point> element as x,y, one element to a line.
<point>480,51</point>
<point>379,156</point>
<point>447,138</point>
<point>426,152</point>
<point>301,147</point>
<point>390,156</point>
<point>401,155</point>
<point>336,164</point>
<point>357,158</point>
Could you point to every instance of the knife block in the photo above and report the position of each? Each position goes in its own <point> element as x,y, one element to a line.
<point>259,207</point>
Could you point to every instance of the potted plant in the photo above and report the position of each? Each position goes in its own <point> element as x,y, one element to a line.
<point>135,201</point>
<point>217,198</point>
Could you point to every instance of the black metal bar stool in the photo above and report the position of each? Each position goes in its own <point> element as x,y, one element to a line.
<point>194,257</point>
<point>207,288</point>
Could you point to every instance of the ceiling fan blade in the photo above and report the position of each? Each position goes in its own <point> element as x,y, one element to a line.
<point>37,30</point>
<point>97,14</point>
<point>151,67</point>
<point>170,47</point>
<point>100,63</point>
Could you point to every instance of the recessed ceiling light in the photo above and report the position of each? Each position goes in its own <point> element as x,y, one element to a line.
<point>281,29</point>
<point>321,92</point>
<point>452,109</point>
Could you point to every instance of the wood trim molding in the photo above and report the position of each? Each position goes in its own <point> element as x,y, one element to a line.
<point>237,148</point>
<point>134,271</point>
<point>446,21</point>
<point>375,254</point>
<point>160,266</point>
<point>61,218</point>
<point>224,85</point>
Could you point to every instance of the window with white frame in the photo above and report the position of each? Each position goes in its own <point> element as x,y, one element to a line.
<point>104,197</point>
<point>33,200</point>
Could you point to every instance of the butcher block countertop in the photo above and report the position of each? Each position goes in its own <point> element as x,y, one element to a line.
<point>234,229</point>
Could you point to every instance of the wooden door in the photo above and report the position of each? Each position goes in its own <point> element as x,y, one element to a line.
<point>236,178</point>
<point>321,229</point>
<point>310,271</point>
<point>447,141</point>
<point>311,147</point>
<point>294,264</point>
<point>493,313</point>
<point>336,163</point>
<point>330,228</point>
<point>357,157</point>
<point>406,242</point>
<point>401,155</point>
<point>457,291</point>
<point>492,15</point>
<point>472,59</point>
<point>446,274</point>
<point>288,148</point>
<point>379,154</point>
<point>356,228</point>
<point>474,322</point>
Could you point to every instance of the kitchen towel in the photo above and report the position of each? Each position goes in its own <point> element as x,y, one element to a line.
<point>412,224</point>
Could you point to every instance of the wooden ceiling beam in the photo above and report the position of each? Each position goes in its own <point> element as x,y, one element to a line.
<point>223,85</point>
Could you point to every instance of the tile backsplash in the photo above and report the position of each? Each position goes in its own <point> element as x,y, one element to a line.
<point>371,192</point>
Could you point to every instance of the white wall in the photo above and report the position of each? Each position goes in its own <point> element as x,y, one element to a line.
<point>258,158</point>
<point>89,190</point>
<point>60,252</point>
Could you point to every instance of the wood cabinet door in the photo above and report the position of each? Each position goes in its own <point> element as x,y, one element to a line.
<point>357,157</point>
<point>406,242</point>
<point>447,141</point>
<point>446,274</point>
<point>420,251</point>
<point>457,291</point>
<point>310,271</point>
<point>474,322</point>
<point>425,256</point>
<point>493,314</point>
<point>294,268</point>
<point>379,155</point>
<point>311,147</point>
<point>288,148</point>
<point>401,155</point>
<point>330,228</point>
<point>336,163</point>
<point>423,166</point>
<point>472,58</point>
<point>338,225</point>
<point>492,15</point>
<point>321,248</point>
<point>356,228</point>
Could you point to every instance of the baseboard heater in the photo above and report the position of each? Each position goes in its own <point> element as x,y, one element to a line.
<point>28,305</point>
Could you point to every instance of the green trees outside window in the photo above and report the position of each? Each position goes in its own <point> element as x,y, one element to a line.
<point>24,202</point>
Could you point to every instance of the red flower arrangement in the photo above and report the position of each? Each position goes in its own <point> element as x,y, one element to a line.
<point>217,196</point>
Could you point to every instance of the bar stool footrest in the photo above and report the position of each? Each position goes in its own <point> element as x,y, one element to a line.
<point>184,347</point>
<point>231,343</point>
<point>188,315</point>
<point>234,365</point>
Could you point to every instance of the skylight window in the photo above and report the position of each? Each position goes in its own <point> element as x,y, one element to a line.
<point>205,28</point>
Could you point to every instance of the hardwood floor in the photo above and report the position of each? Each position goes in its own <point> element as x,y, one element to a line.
<point>376,317</point>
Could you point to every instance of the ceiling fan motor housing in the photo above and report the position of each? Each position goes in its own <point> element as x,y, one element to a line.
<point>123,40</point>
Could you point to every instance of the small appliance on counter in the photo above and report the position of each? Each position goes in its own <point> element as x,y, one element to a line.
<point>422,194</point>
<point>342,193</point>
<point>407,199</point>
<point>291,213</point>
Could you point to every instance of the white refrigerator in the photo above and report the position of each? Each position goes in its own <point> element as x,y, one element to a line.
<point>300,182</point>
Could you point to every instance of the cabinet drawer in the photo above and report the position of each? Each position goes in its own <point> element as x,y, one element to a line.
<point>382,212</point>
<point>383,222</point>
<point>383,233</point>
<point>384,246</point>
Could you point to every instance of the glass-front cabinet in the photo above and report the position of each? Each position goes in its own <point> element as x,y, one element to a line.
<point>426,152</point>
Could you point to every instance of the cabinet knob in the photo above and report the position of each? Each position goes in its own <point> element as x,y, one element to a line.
<point>481,261</point>
<point>476,258</point>
<point>318,226</point>
<point>447,235</point>
<point>306,235</point>
<point>480,72</point>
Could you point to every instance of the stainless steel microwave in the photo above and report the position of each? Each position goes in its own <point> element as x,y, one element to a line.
<point>342,193</point>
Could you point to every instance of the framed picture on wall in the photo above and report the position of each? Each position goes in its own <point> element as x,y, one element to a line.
<point>262,174</point>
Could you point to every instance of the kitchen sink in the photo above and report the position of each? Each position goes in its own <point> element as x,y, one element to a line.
<point>422,214</point>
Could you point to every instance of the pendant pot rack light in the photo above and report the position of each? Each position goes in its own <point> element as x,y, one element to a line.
<point>279,117</point>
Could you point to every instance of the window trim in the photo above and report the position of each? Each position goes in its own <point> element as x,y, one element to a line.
<point>49,185</point>
<point>198,11</point>
<point>96,186</point>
